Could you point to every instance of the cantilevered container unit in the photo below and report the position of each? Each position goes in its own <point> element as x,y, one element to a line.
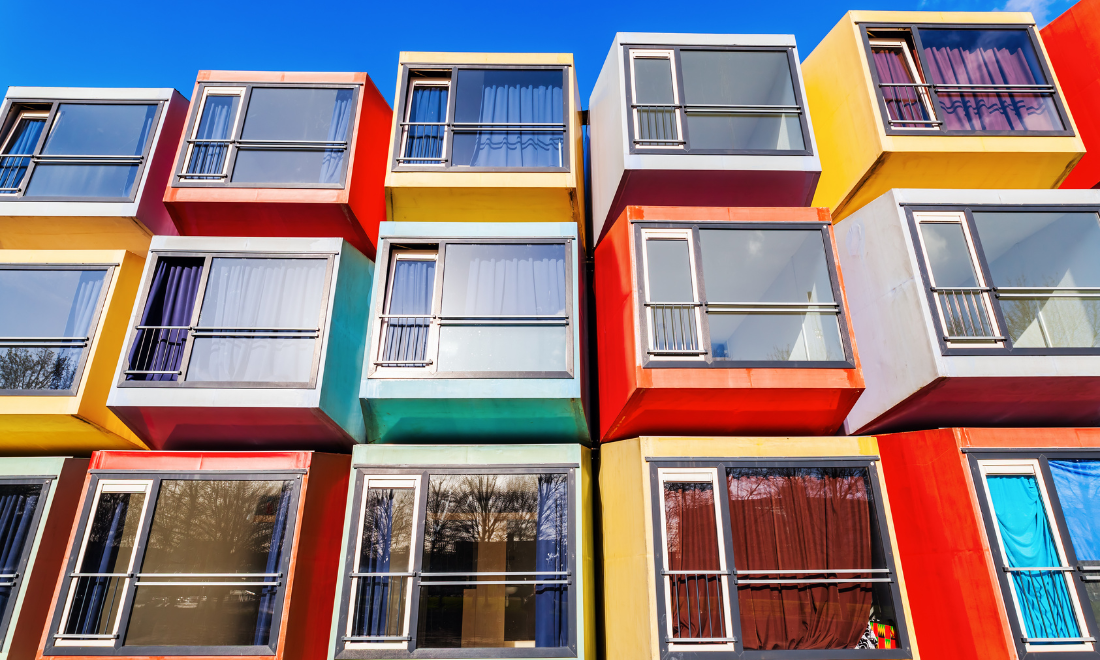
<point>700,120</point>
<point>975,307</point>
<point>935,100</point>
<point>486,137</point>
<point>750,548</point>
<point>467,552</point>
<point>38,502</point>
<point>1073,43</point>
<point>476,334</point>
<point>61,330</point>
<point>85,168</point>
<point>997,533</point>
<point>269,153</point>
<point>722,321</point>
<point>246,342</point>
<point>185,554</point>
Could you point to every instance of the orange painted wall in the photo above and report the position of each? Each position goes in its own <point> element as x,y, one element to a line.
<point>1073,43</point>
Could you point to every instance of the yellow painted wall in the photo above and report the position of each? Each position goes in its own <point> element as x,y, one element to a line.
<point>629,587</point>
<point>859,161</point>
<point>79,424</point>
<point>73,233</point>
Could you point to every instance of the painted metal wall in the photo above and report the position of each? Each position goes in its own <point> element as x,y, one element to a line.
<point>1073,44</point>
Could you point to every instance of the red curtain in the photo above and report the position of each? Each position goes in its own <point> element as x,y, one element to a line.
<point>801,519</point>
<point>692,535</point>
<point>901,102</point>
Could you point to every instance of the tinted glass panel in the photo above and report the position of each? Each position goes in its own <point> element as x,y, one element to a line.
<point>23,139</point>
<point>379,605</point>
<point>902,102</point>
<point>108,181</point>
<point>691,535</point>
<point>411,292</point>
<point>668,270</point>
<point>17,506</point>
<point>46,304</point>
<point>424,143</point>
<point>948,254</point>
<point>775,337</point>
<point>656,126</point>
<point>509,97</point>
<point>653,81</point>
<point>219,114</point>
<point>201,526</point>
<point>1078,486</point>
<point>504,279</point>
<point>100,130</point>
<point>503,348</point>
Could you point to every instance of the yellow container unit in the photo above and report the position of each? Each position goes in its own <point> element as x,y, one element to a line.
<point>66,317</point>
<point>710,545</point>
<point>935,100</point>
<point>486,137</point>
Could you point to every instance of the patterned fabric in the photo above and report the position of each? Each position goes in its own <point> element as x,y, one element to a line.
<point>878,636</point>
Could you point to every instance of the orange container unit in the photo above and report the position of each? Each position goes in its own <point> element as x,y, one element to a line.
<point>1073,44</point>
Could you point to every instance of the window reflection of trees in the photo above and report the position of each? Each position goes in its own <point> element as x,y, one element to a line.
<point>37,368</point>
<point>476,509</point>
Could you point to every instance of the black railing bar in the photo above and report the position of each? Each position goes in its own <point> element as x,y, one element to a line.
<point>513,317</point>
<point>964,338</point>
<point>162,327</point>
<point>424,123</point>
<point>375,638</point>
<point>777,305</point>
<point>80,575</point>
<point>207,575</point>
<point>406,316</point>
<point>661,140</point>
<point>335,143</point>
<point>772,310</point>
<point>671,304</point>
<point>699,640</point>
<point>915,121</point>
<point>1045,296</point>
<point>961,289</point>
<point>1080,567</point>
<point>498,573</point>
<point>136,371</point>
<point>8,576</point>
<point>715,572</point>
<point>257,335</point>
<point>434,160</point>
<point>671,352</point>
<point>464,124</point>
<point>403,363</point>
<point>475,322</point>
<point>695,110</point>
<point>505,129</point>
<point>2,156</point>
<point>203,583</point>
<point>1054,640</point>
<point>43,338</point>
<point>202,176</point>
<point>210,141</point>
<point>212,328</point>
<point>904,85</point>
<point>447,583</point>
<point>396,574</point>
<point>815,572</point>
<point>1020,289</point>
<point>8,584</point>
<point>1050,569</point>
<point>819,581</point>
<point>656,105</point>
<point>88,636</point>
<point>115,158</point>
<point>43,344</point>
<point>11,189</point>
<point>990,86</point>
<point>772,106</point>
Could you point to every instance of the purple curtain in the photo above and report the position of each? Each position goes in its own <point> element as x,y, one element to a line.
<point>901,102</point>
<point>171,303</point>
<point>274,562</point>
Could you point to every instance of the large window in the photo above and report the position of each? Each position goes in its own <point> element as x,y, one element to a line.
<point>712,100</point>
<point>465,117</point>
<point>735,295</point>
<point>248,320</point>
<point>468,560</point>
<point>170,564</point>
<point>80,150</point>
<point>1041,513</point>
<point>759,556</point>
<point>269,136</point>
<point>963,80</point>
<point>1013,279</point>
<point>50,314</point>
<point>476,309</point>
<point>21,502</point>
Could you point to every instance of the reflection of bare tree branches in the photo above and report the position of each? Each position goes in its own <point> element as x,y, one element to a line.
<point>1066,322</point>
<point>36,369</point>
<point>480,508</point>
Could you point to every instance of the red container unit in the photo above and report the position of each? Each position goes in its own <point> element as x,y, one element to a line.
<point>282,154</point>
<point>722,321</point>
<point>997,534</point>
<point>1072,42</point>
<point>191,554</point>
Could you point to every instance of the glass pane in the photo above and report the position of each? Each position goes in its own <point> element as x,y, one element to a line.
<point>204,526</point>
<point>1042,597</point>
<point>427,106</point>
<point>509,97</point>
<point>691,533</point>
<point>653,81</point>
<point>948,253</point>
<point>802,524</point>
<point>988,57</point>
<point>668,271</point>
<point>503,348</point>
<point>17,505</point>
<point>100,130</point>
<point>251,360</point>
<point>754,265</point>
<point>46,304</point>
<point>1045,250</point>
<point>715,130</point>
<point>488,528</point>
<point>112,181</point>
<point>314,114</point>
<point>775,337</point>
<point>1078,486</point>
<point>411,292</point>
<point>902,102</point>
<point>297,166</point>
<point>160,343</point>
<point>379,605</point>
<point>504,280</point>
<point>23,139</point>
<point>218,116</point>
<point>109,546</point>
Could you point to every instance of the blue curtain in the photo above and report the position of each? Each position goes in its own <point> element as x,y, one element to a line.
<point>1025,530</point>
<point>274,561</point>
<point>428,104</point>
<point>12,168</point>
<point>171,302</point>
<point>1078,486</point>
<point>552,554</point>
<point>333,161</point>
<point>509,97</point>
<point>372,604</point>
<point>91,592</point>
<point>16,511</point>
<point>411,293</point>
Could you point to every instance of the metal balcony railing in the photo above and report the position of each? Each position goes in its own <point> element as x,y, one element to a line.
<point>698,607</point>
<point>674,329</point>
<point>965,313</point>
<point>158,350</point>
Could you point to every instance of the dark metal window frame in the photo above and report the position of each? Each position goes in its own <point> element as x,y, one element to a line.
<point>180,179</point>
<point>16,581</point>
<point>967,210</point>
<point>319,337</point>
<point>402,110</point>
<point>63,342</point>
<point>722,506</point>
<point>681,107</point>
<point>707,360</point>
<point>914,30</point>
<point>125,610</point>
<point>384,265</point>
<point>1061,529</point>
<point>15,106</point>
<point>423,473</point>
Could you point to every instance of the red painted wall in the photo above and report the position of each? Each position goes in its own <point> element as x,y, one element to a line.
<point>636,401</point>
<point>1073,43</point>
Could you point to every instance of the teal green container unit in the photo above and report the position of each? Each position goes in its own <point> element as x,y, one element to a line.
<point>476,334</point>
<point>467,552</point>
<point>38,502</point>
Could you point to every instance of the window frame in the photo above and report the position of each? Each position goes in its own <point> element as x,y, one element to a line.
<point>152,480</point>
<point>321,338</point>
<point>385,262</point>
<point>404,96</point>
<point>180,178</point>
<point>980,459</point>
<point>15,108</point>
<point>719,465</point>
<point>914,30</point>
<point>678,90</point>
<point>422,473</point>
<point>707,360</point>
<point>8,613</point>
<point>984,275</point>
<point>93,330</point>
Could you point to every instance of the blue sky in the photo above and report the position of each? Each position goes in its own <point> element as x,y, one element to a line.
<point>160,44</point>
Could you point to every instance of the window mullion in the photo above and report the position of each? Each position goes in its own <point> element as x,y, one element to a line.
<point>190,343</point>
<point>136,559</point>
<point>417,548</point>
